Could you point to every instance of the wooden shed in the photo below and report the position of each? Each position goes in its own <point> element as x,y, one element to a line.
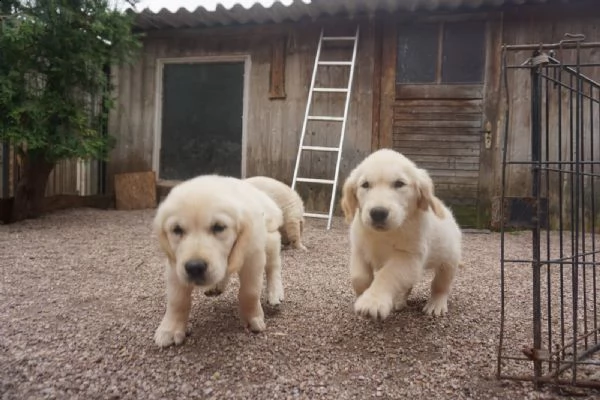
<point>225,90</point>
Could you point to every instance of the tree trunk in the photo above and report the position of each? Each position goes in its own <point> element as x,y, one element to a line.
<point>31,188</point>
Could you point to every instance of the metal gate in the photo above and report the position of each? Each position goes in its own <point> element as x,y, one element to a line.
<point>560,205</point>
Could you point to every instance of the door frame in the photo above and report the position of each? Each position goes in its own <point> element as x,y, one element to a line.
<point>386,91</point>
<point>158,99</point>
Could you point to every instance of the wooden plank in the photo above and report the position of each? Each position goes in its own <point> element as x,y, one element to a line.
<point>465,104</point>
<point>452,174</point>
<point>419,111</point>
<point>446,159</point>
<point>451,200</point>
<point>439,91</point>
<point>469,189</point>
<point>388,81</point>
<point>490,156</point>
<point>456,190</point>
<point>277,72</point>
<point>405,144</point>
<point>148,100</point>
<point>415,152</point>
<point>423,130</point>
<point>449,166</point>
<point>410,115</point>
<point>135,191</point>
<point>377,83</point>
<point>439,136</point>
<point>437,124</point>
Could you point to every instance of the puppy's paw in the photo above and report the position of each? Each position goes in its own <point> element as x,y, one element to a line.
<point>275,295</point>
<point>166,337</point>
<point>300,246</point>
<point>374,305</point>
<point>256,324</point>
<point>436,306</point>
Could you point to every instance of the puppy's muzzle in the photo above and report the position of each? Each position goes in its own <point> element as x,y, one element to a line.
<point>196,270</point>
<point>379,216</point>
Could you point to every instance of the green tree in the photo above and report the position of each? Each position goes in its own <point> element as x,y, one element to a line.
<point>54,86</point>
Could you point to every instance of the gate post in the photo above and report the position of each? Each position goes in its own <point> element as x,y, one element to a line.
<point>536,152</point>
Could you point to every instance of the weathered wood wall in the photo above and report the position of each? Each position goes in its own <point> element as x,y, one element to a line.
<point>69,177</point>
<point>520,30</point>
<point>275,113</point>
<point>274,124</point>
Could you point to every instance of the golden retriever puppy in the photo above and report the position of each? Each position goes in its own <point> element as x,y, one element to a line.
<point>290,204</point>
<point>209,228</point>
<point>398,229</point>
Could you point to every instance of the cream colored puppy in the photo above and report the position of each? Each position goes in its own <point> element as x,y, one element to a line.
<point>211,227</point>
<point>290,204</point>
<point>398,229</point>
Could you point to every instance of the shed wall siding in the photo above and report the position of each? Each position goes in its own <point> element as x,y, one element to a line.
<point>273,126</point>
<point>518,178</point>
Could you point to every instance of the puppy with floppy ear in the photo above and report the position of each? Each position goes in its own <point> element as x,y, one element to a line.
<point>426,197</point>
<point>349,201</point>
<point>399,228</point>
<point>290,203</point>
<point>210,227</point>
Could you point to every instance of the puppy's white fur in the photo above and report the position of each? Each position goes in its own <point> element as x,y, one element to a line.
<point>388,256</point>
<point>233,228</point>
<point>290,204</point>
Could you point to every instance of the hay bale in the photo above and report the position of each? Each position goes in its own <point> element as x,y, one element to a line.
<point>135,190</point>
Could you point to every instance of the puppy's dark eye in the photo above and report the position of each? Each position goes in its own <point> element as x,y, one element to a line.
<point>398,184</point>
<point>365,185</point>
<point>177,230</point>
<point>217,228</point>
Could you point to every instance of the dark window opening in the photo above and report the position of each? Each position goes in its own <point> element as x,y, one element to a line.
<point>441,53</point>
<point>417,54</point>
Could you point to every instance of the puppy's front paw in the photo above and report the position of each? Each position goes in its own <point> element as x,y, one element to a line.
<point>374,305</point>
<point>300,246</point>
<point>166,337</point>
<point>436,306</point>
<point>275,295</point>
<point>256,324</point>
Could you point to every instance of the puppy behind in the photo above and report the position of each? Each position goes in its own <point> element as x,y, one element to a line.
<point>398,229</point>
<point>210,227</point>
<point>290,204</point>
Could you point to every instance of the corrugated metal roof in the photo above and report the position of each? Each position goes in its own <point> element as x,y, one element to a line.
<point>296,10</point>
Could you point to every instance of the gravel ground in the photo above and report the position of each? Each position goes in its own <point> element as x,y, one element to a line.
<point>82,293</point>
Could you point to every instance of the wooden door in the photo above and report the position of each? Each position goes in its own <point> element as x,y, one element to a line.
<point>202,110</point>
<point>436,106</point>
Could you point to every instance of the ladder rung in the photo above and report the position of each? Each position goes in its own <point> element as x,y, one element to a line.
<point>324,118</point>
<point>316,215</point>
<point>311,180</point>
<point>320,148</point>
<point>330,90</point>
<point>335,63</point>
<point>330,38</point>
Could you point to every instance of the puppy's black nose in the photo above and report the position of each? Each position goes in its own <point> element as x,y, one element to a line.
<point>196,269</point>
<point>379,214</point>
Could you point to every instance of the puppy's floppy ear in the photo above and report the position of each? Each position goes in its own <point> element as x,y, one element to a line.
<point>244,239</point>
<point>426,197</point>
<point>159,229</point>
<point>349,200</point>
